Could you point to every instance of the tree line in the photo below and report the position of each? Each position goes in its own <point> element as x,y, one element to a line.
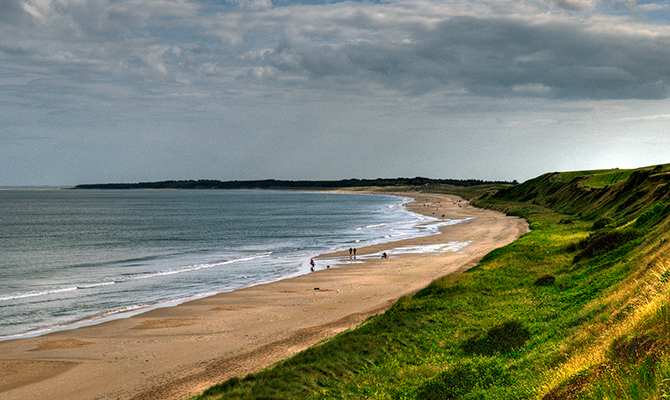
<point>288,184</point>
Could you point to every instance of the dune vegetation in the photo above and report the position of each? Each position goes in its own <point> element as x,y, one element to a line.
<point>576,309</point>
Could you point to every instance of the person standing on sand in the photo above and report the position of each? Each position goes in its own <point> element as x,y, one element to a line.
<point>312,263</point>
<point>354,252</point>
<point>350,250</point>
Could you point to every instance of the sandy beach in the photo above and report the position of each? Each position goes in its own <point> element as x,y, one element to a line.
<point>177,352</point>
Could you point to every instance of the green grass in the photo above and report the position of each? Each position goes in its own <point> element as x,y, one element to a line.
<point>598,328</point>
<point>599,178</point>
<point>603,177</point>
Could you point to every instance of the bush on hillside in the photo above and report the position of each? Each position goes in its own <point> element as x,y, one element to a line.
<point>467,379</point>
<point>572,247</point>
<point>437,288</point>
<point>602,223</point>
<point>652,216</point>
<point>508,336</point>
<point>631,349</point>
<point>545,280</point>
<point>602,242</point>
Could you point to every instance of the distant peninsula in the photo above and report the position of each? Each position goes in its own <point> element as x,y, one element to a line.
<point>288,184</point>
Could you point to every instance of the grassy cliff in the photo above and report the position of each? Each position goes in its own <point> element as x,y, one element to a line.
<point>576,309</point>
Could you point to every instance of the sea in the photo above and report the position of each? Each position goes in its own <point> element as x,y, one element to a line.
<point>70,258</point>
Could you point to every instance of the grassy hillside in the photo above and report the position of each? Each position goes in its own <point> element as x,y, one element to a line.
<point>576,309</point>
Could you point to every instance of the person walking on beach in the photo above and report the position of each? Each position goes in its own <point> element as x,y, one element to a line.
<point>354,252</point>
<point>312,263</point>
<point>350,250</point>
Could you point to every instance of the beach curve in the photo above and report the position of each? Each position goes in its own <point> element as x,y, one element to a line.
<point>179,351</point>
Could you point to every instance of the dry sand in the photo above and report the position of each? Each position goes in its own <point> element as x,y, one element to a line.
<point>177,352</point>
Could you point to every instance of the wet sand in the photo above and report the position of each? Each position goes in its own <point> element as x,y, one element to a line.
<point>177,352</point>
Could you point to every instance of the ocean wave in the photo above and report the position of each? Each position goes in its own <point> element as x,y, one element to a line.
<point>432,248</point>
<point>116,280</point>
<point>95,285</point>
<point>122,312</point>
<point>198,267</point>
<point>36,293</point>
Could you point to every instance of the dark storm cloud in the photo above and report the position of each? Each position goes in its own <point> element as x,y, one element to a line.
<point>413,48</point>
<point>497,56</point>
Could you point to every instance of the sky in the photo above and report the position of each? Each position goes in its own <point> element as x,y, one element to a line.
<point>101,91</point>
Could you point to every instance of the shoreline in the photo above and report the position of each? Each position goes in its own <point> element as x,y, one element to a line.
<point>130,311</point>
<point>179,351</point>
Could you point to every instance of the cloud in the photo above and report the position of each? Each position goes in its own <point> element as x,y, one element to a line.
<point>252,4</point>
<point>211,76</point>
<point>575,4</point>
<point>658,117</point>
<point>409,47</point>
<point>583,58</point>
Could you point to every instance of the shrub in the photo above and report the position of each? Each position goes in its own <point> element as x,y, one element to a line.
<point>602,223</point>
<point>466,377</point>
<point>545,280</point>
<point>631,349</point>
<point>437,288</point>
<point>510,335</point>
<point>652,216</point>
<point>603,242</point>
<point>571,248</point>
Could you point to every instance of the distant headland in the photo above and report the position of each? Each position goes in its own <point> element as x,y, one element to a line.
<point>288,184</point>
